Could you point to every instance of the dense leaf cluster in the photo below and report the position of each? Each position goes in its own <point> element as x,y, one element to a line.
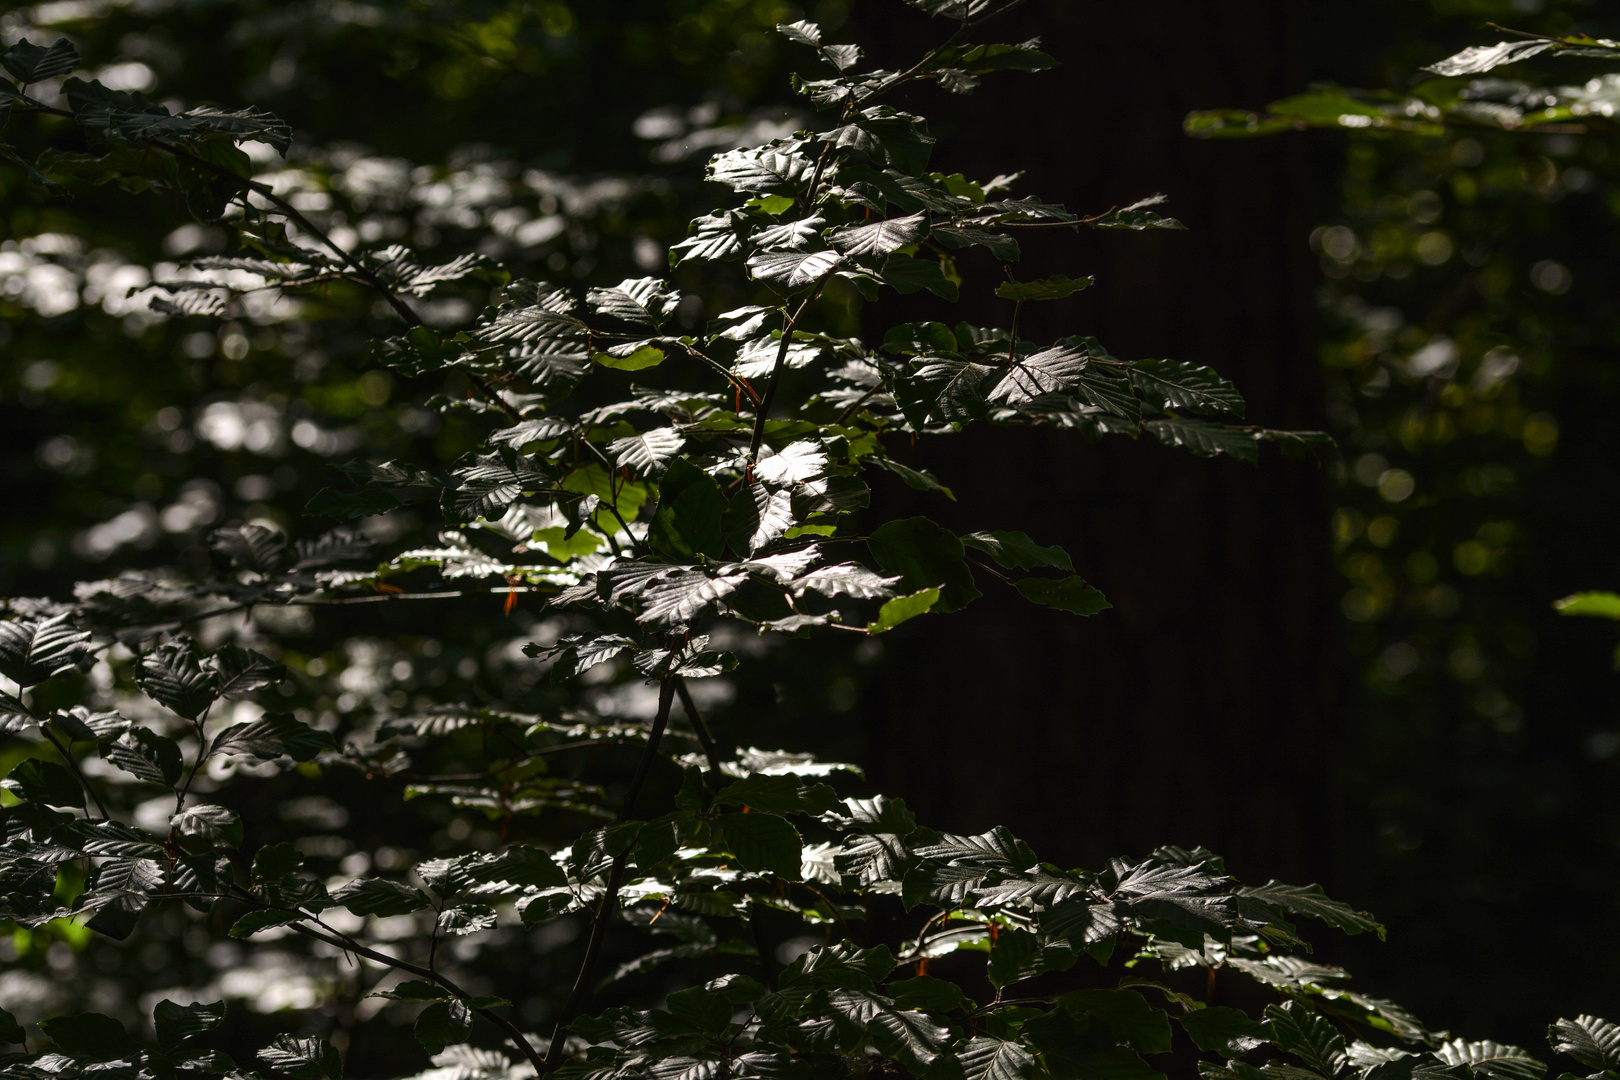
<point>659,481</point>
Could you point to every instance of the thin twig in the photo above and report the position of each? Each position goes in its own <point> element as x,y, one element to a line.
<point>789,322</point>
<point>610,899</point>
<point>711,749</point>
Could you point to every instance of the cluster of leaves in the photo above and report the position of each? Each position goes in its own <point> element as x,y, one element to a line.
<point>1452,101</point>
<point>636,477</point>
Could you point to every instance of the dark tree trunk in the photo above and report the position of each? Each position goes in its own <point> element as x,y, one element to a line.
<point>1197,710</point>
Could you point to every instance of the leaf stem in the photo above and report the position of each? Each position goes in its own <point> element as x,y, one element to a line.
<point>711,749</point>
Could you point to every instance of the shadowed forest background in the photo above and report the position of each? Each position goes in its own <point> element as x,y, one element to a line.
<point>1367,641</point>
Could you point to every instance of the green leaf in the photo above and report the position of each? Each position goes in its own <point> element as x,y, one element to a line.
<point>306,1059</point>
<point>761,171</point>
<point>1478,59</point>
<point>90,1036</point>
<point>414,990</point>
<point>702,1010</point>
<point>272,736</point>
<point>1605,605</point>
<point>929,994</point>
<point>763,842</point>
<point>1301,1031</point>
<point>1492,1060</point>
<point>902,608</point>
<point>10,1030</point>
<point>1051,288</point>
<point>147,755</point>
<point>843,966</point>
<point>1071,1053</point>
<point>1312,901</point>
<point>33,650</point>
<point>690,509</point>
<point>238,672</point>
<point>1224,1030</point>
<point>648,452</point>
<point>779,794</point>
<point>1127,1013</point>
<point>881,237</point>
<point>369,501</point>
<point>520,864</point>
<point>173,675</point>
<point>177,1023</point>
<point>29,63</point>
<point>1016,551</point>
<point>213,826</point>
<point>637,359</point>
<point>909,1037</point>
<point>950,389</point>
<point>1593,1042</point>
<point>917,479</point>
<point>646,301</point>
<point>1205,439</point>
<point>1176,384</point>
<point>272,862</point>
<point>380,897</point>
<point>44,782</point>
<point>1014,956</point>
<point>923,337</point>
<point>988,1058</point>
<point>1065,594</point>
<point>905,275</point>
<point>442,1024</point>
<point>925,556</point>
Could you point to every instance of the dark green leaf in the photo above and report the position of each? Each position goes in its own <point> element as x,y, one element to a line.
<point>1065,594</point>
<point>1052,288</point>
<point>29,63</point>
<point>1311,900</point>
<point>380,897</point>
<point>1492,1060</point>
<point>928,993</point>
<point>90,1036</point>
<point>149,756</point>
<point>1127,1013</point>
<point>925,556</point>
<point>690,508</point>
<point>173,675</point>
<point>306,1059</point>
<point>177,1023</point>
<point>10,1030</point>
<point>44,782</point>
<point>1049,371</point>
<point>275,861</point>
<point>441,1024</point>
<point>1224,1030</point>
<point>1016,551</point>
<point>1593,1042</point>
<point>1205,439</point>
<point>1176,384</point>
<point>272,736</point>
<point>779,794</point>
<point>351,505</point>
<point>763,842</point>
<point>988,1058</point>
<point>33,650</point>
<point>1301,1031</point>
<point>213,826</point>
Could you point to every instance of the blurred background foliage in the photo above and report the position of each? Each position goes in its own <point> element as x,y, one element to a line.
<point>1464,353</point>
